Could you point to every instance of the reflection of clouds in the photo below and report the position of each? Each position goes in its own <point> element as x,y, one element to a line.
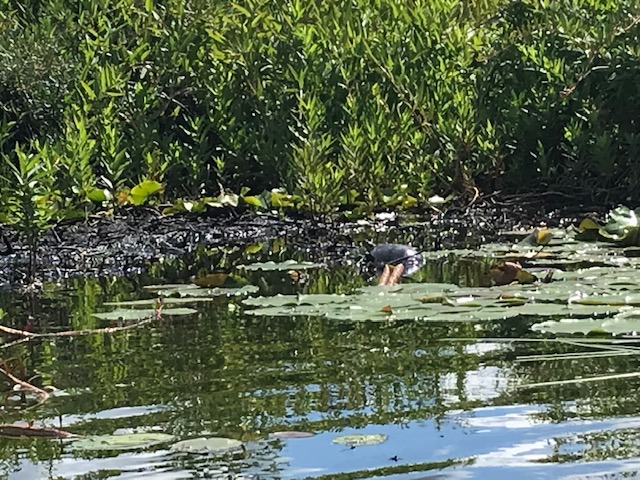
<point>509,420</point>
<point>482,384</point>
<point>623,469</point>
<point>519,442</point>
<point>517,455</point>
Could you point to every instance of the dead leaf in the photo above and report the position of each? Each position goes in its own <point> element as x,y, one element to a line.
<point>504,273</point>
<point>211,280</point>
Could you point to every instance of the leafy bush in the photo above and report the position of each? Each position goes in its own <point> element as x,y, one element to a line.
<point>341,104</point>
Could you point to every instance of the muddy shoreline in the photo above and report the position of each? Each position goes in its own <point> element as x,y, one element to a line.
<point>133,239</point>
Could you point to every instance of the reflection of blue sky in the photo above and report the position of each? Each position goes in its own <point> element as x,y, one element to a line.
<point>505,443</point>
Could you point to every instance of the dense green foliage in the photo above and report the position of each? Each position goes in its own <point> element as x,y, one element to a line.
<point>369,102</point>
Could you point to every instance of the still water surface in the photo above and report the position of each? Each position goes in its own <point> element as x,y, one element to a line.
<point>451,409</point>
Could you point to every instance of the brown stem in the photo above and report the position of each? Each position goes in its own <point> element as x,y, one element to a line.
<point>43,395</point>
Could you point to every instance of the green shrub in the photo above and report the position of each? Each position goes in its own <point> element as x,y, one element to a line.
<point>358,103</point>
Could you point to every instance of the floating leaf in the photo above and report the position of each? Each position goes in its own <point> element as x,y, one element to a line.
<point>189,290</point>
<point>151,302</point>
<point>360,440</point>
<point>132,441</point>
<point>142,313</point>
<point>280,266</point>
<point>292,434</point>
<point>170,286</point>
<point>622,228</point>
<point>209,445</point>
<point>217,292</point>
<point>503,273</point>
<point>588,230</point>
<point>540,236</point>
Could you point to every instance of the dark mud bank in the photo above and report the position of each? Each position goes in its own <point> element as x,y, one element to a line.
<point>128,242</point>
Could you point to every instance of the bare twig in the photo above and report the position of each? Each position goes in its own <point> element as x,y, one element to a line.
<point>10,430</point>
<point>76,333</point>
<point>43,395</point>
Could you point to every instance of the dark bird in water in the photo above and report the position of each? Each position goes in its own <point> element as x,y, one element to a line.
<point>396,254</point>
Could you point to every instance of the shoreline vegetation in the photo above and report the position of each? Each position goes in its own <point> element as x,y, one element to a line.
<point>312,106</point>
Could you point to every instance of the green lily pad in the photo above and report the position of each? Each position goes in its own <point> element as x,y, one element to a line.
<point>142,313</point>
<point>131,441</point>
<point>151,302</point>
<point>622,228</point>
<point>296,300</point>
<point>190,290</point>
<point>625,321</point>
<point>210,445</point>
<point>360,440</point>
<point>291,434</point>
<point>171,286</point>
<point>217,292</point>
<point>280,266</point>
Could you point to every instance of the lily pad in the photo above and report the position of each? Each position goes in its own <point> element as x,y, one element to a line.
<point>280,266</point>
<point>152,302</point>
<point>296,300</point>
<point>360,440</point>
<point>218,291</point>
<point>132,441</point>
<point>209,445</point>
<point>189,290</point>
<point>622,228</point>
<point>142,313</point>
<point>292,434</point>
<point>171,286</point>
<point>626,321</point>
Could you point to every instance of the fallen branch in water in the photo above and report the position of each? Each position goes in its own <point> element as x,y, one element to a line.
<point>10,430</point>
<point>43,395</point>
<point>26,335</point>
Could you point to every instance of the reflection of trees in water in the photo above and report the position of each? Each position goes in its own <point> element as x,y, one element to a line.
<point>244,376</point>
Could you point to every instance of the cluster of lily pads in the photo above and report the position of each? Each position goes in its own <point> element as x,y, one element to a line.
<point>215,446</point>
<point>600,296</point>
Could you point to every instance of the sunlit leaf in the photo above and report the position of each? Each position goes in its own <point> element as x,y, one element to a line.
<point>291,434</point>
<point>360,440</point>
<point>140,314</point>
<point>280,266</point>
<point>209,445</point>
<point>132,441</point>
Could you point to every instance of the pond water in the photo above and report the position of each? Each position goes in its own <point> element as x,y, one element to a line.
<point>448,398</point>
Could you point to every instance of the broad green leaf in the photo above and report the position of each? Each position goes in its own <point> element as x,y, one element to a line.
<point>131,441</point>
<point>151,302</point>
<point>209,445</point>
<point>280,266</point>
<point>140,314</point>
<point>361,440</point>
<point>141,192</point>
